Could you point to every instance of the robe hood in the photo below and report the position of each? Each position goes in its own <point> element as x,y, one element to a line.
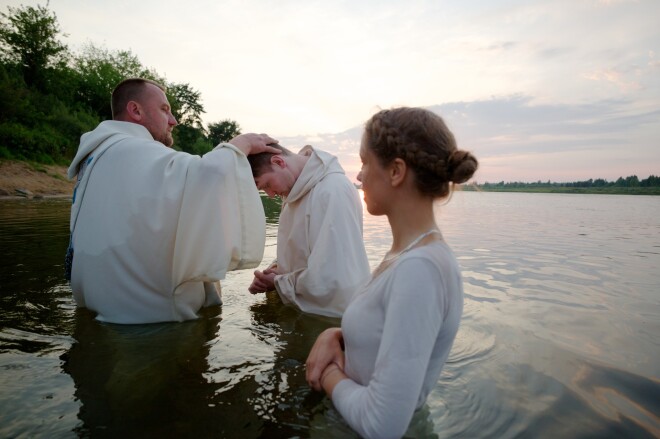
<point>106,129</point>
<point>319,164</point>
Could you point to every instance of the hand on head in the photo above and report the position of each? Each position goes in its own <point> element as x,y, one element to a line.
<point>251,143</point>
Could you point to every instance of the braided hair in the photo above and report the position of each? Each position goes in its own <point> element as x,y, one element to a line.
<point>422,140</point>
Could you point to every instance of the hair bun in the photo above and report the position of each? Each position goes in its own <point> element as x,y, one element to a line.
<point>461,166</point>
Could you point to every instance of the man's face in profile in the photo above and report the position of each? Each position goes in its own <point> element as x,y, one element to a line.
<point>278,180</point>
<point>157,115</point>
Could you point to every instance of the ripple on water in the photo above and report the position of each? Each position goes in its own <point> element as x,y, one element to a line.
<point>17,340</point>
<point>558,336</point>
<point>36,397</point>
<point>471,345</point>
<point>452,403</point>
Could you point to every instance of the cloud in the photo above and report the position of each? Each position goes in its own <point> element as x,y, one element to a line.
<point>612,2</point>
<point>516,139</point>
<point>619,79</point>
<point>571,85</point>
<point>596,136</point>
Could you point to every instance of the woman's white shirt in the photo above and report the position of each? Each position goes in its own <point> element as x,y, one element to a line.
<point>398,332</point>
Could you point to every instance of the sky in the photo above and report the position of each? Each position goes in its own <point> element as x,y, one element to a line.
<point>559,90</point>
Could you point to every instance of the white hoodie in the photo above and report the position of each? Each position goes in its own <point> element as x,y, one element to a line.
<point>154,229</point>
<point>319,240</point>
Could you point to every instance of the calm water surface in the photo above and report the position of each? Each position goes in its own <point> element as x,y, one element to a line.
<point>560,335</point>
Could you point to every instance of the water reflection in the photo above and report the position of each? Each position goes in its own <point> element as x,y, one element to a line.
<point>272,208</point>
<point>132,378</point>
<point>284,398</point>
<point>34,236</point>
<point>558,337</point>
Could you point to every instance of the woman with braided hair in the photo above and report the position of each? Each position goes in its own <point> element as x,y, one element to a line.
<point>396,333</point>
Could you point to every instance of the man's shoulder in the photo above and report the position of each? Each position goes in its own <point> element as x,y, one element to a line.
<point>334,181</point>
<point>334,186</point>
<point>122,127</point>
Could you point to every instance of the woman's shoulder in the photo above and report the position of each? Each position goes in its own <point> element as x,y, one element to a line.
<point>436,256</point>
<point>434,251</point>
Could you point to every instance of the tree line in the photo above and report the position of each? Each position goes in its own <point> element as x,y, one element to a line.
<point>50,96</point>
<point>629,182</point>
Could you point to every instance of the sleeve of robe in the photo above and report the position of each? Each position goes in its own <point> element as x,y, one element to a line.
<point>337,264</point>
<point>413,317</point>
<point>219,230</point>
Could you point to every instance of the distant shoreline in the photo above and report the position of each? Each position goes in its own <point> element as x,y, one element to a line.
<point>563,190</point>
<point>19,180</point>
<point>571,190</point>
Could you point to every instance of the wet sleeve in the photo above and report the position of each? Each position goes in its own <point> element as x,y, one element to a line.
<point>221,224</point>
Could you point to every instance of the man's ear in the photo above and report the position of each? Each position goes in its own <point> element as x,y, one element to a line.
<point>278,160</point>
<point>397,171</point>
<point>134,111</point>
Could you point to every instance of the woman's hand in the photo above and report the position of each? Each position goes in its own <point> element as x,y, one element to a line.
<point>326,352</point>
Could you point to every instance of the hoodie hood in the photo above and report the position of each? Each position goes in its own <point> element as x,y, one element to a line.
<point>105,131</point>
<point>319,165</point>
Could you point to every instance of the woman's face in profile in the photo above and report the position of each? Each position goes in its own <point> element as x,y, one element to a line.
<point>373,177</point>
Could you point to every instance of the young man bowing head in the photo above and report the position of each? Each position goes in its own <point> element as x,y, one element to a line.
<point>321,260</point>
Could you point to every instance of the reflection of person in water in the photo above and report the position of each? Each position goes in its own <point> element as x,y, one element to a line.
<point>148,379</point>
<point>283,399</point>
<point>284,394</point>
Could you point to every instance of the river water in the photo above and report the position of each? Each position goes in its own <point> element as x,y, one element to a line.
<point>560,335</point>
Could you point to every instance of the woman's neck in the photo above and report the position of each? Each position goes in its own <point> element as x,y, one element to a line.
<point>409,220</point>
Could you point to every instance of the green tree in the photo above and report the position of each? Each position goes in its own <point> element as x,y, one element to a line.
<point>632,181</point>
<point>40,119</point>
<point>49,98</point>
<point>186,105</point>
<point>189,134</point>
<point>223,131</point>
<point>191,140</point>
<point>13,95</point>
<point>101,70</point>
<point>652,181</point>
<point>29,38</point>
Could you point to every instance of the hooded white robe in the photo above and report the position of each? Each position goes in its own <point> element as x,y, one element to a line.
<point>320,249</point>
<point>154,229</point>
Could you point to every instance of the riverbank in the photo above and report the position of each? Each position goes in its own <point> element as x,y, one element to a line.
<point>25,179</point>
<point>610,190</point>
<point>33,180</point>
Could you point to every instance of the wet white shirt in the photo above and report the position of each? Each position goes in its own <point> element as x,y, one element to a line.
<point>397,334</point>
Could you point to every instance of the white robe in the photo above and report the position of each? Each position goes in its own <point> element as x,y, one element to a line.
<point>154,229</point>
<point>320,249</point>
<point>397,334</point>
